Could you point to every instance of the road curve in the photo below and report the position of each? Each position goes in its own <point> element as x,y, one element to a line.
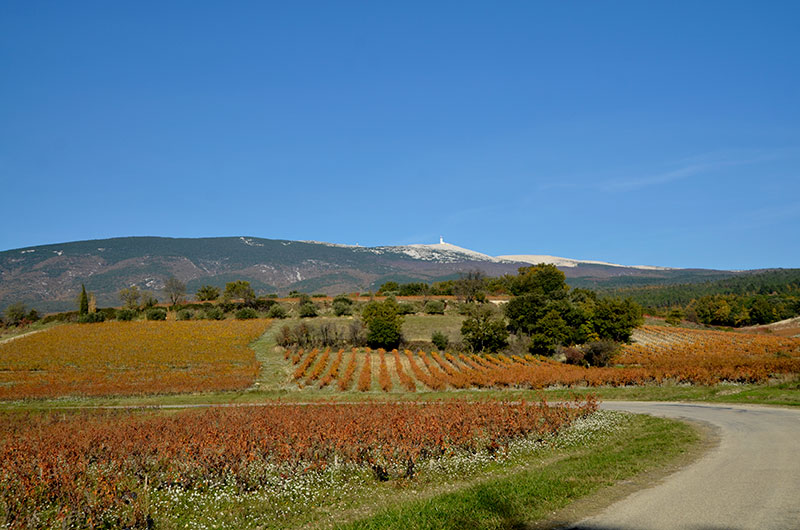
<point>751,480</point>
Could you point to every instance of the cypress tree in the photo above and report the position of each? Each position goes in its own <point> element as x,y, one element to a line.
<point>84,303</point>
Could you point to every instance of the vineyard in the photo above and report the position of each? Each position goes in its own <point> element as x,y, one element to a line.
<point>119,358</point>
<point>103,469</point>
<point>659,355</point>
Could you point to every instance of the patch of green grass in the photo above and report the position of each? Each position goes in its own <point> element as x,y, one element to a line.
<point>533,493</point>
<point>785,394</point>
<point>421,327</point>
<point>777,393</point>
<point>10,333</point>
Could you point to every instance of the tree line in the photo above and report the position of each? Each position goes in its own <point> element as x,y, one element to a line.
<point>747,299</point>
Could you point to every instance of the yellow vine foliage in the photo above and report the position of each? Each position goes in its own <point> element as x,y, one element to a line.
<point>128,358</point>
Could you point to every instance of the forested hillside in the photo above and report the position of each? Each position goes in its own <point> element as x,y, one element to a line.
<point>746,299</point>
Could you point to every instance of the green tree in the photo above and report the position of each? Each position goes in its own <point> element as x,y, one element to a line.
<point>761,312</point>
<point>83,302</point>
<point>524,312</point>
<point>384,324</point>
<point>414,289</point>
<point>240,289</point>
<point>551,331</point>
<point>389,287</point>
<point>542,279</point>
<point>470,286</point>
<point>481,331</point>
<point>616,319</point>
<point>674,317</point>
<point>207,293</point>
<point>15,314</point>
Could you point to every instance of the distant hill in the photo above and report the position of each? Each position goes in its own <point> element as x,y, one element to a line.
<point>49,277</point>
<point>770,282</point>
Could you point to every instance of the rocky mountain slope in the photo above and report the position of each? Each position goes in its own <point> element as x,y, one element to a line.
<point>49,277</point>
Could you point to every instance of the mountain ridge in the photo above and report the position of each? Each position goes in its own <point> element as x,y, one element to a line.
<point>49,277</point>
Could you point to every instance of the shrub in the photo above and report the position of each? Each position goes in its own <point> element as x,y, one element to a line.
<point>440,340</point>
<point>307,310</point>
<point>434,307</point>
<point>184,314</point>
<point>69,316</point>
<point>343,298</point>
<point>303,298</point>
<point>284,337</point>
<point>226,306</point>
<point>357,333</point>
<point>125,314</point>
<point>404,308</point>
<point>109,313</point>
<point>574,355</point>
<point>277,311</point>
<point>601,352</point>
<point>214,313</point>
<point>263,304</point>
<point>156,313</point>
<point>246,313</point>
<point>341,308</point>
<point>90,318</point>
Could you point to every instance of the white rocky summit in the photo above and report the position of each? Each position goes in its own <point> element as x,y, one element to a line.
<point>443,252</point>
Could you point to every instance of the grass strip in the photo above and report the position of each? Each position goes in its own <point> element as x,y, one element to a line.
<point>534,493</point>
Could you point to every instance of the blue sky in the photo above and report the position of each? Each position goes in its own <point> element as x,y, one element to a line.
<point>634,132</point>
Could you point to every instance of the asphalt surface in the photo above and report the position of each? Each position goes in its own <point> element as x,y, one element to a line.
<point>751,480</point>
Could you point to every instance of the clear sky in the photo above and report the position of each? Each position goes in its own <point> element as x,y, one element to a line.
<point>635,132</point>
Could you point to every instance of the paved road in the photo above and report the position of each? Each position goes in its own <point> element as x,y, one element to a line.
<point>751,480</point>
